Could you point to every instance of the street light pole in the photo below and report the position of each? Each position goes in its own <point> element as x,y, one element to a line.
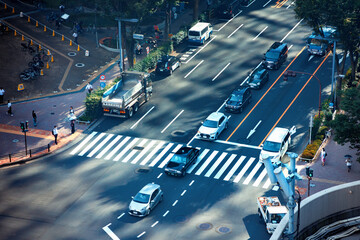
<point>333,91</point>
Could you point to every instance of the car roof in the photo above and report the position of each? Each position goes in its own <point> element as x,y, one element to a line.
<point>215,116</point>
<point>149,188</point>
<point>278,134</point>
<point>277,46</point>
<point>259,71</point>
<point>240,90</point>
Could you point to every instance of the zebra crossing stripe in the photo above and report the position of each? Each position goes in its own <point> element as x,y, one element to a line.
<point>117,148</point>
<point>225,166</point>
<point>267,183</point>
<point>142,153</point>
<point>260,178</point>
<point>201,156</point>
<point>149,156</point>
<point>161,154</point>
<point>216,164</point>
<point>83,143</point>
<point>202,168</point>
<point>252,173</point>
<point>91,144</point>
<point>100,145</point>
<point>117,158</point>
<point>234,168</point>
<point>133,152</point>
<point>108,147</point>
<point>170,156</point>
<point>243,171</point>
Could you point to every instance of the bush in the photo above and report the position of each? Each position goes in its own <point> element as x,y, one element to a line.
<point>311,149</point>
<point>179,37</point>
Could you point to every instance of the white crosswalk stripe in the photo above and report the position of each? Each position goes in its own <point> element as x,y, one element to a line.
<point>156,153</point>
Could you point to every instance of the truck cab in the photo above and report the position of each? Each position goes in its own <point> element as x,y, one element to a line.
<point>271,211</point>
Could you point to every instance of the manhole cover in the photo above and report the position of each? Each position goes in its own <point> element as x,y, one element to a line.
<point>180,219</point>
<point>223,230</point>
<point>142,170</point>
<point>79,65</point>
<point>138,148</point>
<point>205,226</point>
<point>15,140</point>
<point>72,54</point>
<point>178,133</point>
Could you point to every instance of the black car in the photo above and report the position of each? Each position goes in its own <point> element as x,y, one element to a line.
<point>258,78</point>
<point>180,162</point>
<point>224,11</point>
<point>167,64</point>
<point>275,56</point>
<point>238,99</point>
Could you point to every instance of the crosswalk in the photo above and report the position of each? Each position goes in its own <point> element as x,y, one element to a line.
<point>224,166</point>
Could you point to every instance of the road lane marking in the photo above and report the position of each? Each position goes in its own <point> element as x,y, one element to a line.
<point>311,57</point>
<point>160,175</point>
<point>156,149</point>
<point>108,146</point>
<point>83,143</point>
<point>216,164</point>
<point>194,68</point>
<point>141,234</point>
<point>229,21</point>
<point>110,233</point>
<point>155,224</point>
<point>131,144</point>
<point>267,183</point>
<point>290,5</point>
<point>175,203</point>
<point>134,151</point>
<point>100,145</point>
<point>183,193</point>
<point>200,49</point>
<point>166,213</point>
<point>252,173</point>
<point>144,151</point>
<point>121,216</point>
<point>172,121</point>
<point>260,33</point>
<point>252,131</point>
<point>220,72</point>
<point>170,156</point>
<point>262,97</point>
<point>291,30</point>
<point>234,168</point>
<point>200,158</point>
<point>161,154</point>
<point>267,3</point>
<point>260,178</point>
<point>142,117</point>
<point>117,148</point>
<point>238,144</point>
<point>297,95</point>
<point>243,171</point>
<point>91,144</point>
<point>206,163</point>
<point>191,183</point>
<point>225,166</point>
<point>235,31</point>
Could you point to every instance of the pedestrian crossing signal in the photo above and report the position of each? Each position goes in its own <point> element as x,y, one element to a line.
<point>20,87</point>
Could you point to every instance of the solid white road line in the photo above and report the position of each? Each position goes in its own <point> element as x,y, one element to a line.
<point>242,172</point>
<point>100,145</point>
<point>172,121</point>
<point>141,234</point>
<point>142,117</point>
<point>175,203</point>
<point>266,3</point>
<point>260,33</point>
<point>229,21</point>
<point>117,158</point>
<point>202,155</point>
<point>238,144</point>
<point>183,193</point>
<point>191,183</point>
<point>108,147</point>
<point>91,144</point>
<point>206,163</point>
<point>143,152</point>
<point>267,183</point>
<point>235,31</point>
<point>291,30</point>
<point>117,148</point>
<point>216,164</point>
<point>252,173</point>
<point>161,154</point>
<point>170,156</point>
<point>221,72</point>
<point>260,178</point>
<point>220,107</point>
<point>200,49</point>
<point>224,167</point>
<point>166,213</point>
<point>194,68</point>
<point>83,143</point>
<point>110,233</point>
<point>234,168</point>
<point>134,151</point>
<point>243,82</point>
<point>150,155</point>
<point>290,47</point>
<point>155,224</point>
<point>121,216</point>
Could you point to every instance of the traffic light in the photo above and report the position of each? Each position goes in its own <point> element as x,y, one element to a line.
<point>307,171</point>
<point>26,125</point>
<point>311,172</point>
<point>22,126</point>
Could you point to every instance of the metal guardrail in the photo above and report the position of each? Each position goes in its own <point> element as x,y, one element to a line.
<point>23,155</point>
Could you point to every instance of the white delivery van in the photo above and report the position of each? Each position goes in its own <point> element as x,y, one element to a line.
<point>200,32</point>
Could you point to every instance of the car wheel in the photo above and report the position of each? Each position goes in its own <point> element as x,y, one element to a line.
<point>148,211</point>
<point>136,107</point>
<point>226,125</point>
<point>183,174</point>
<point>216,136</point>
<point>179,64</point>
<point>241,109</point>
<point>130,112</point>
<point>161,198</point>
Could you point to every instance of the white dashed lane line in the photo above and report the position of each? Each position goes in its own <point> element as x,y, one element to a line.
<point>121,216</point>
<point>183,193</point>
<point>141,234</point>
<point>166,213</point>
<point>154,224</point>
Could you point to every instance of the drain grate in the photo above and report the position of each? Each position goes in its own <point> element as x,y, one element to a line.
<point>138,148</point>
<point>205,226</point>
<point>223,230</point>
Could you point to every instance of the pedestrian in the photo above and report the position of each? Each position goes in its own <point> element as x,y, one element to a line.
<point>55,133</point>
<point>323,155</point>
<point>2,92</point>
<point>72,124</point>
<point>89,87</point>
<point>34,118</point>
<point>62,8</point>
<point>348,164</point>
<point>75,35</point>
<point>9,112</point>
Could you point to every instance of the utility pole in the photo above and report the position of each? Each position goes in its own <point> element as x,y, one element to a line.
<point>24,127</point>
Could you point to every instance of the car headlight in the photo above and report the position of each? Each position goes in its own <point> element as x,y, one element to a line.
<point>177,171</point>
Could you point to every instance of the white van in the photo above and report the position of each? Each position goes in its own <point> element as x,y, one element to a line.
<point>200,32</point>
<point>277,144</point>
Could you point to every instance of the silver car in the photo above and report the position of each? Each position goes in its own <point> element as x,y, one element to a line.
<point>146,200</point>
<point>214,124</point>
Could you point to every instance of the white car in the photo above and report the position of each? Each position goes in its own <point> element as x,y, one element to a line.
<point>214,124</point>
<point>145,200</point>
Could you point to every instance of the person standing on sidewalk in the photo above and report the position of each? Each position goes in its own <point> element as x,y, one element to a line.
<point>89,87</point>
<point>34,118</point>
<point>55,133</point>
<point>348,164</point>
<point>9,112</point>
<point>2,92</point>
<point>75,35</point>
<point>72,124</point>
<point>323,155</point>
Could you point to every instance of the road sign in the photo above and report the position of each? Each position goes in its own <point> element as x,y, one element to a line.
<point>138,36</point>
<point>102,77</point>
<point>102,84</point>
<point>21,87</point>
<point>147,50</point>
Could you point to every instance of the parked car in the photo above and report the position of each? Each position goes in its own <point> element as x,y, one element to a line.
<point>224,11</point>
<point>181,161</point>
<point>214,124</point>
<point>275,56</point>
<point>167,64</point>
<point>238,99</point>
<point>258,78</point>
<point>146,200</point>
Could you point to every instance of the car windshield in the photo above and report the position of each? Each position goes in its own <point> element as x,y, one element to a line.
<point>179,159</point>
<point>272,55</point>
<point>142,198</point>
<point>271,146</point>
<point>235,98</point>
<point>316,42</point>
<point>256,76</point>
<point>194,33</point>
<point>210,124</point>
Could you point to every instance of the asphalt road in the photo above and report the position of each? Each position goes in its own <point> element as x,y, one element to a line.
<point>83,192</point>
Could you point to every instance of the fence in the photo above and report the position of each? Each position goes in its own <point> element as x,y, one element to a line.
<point>24,155</point>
